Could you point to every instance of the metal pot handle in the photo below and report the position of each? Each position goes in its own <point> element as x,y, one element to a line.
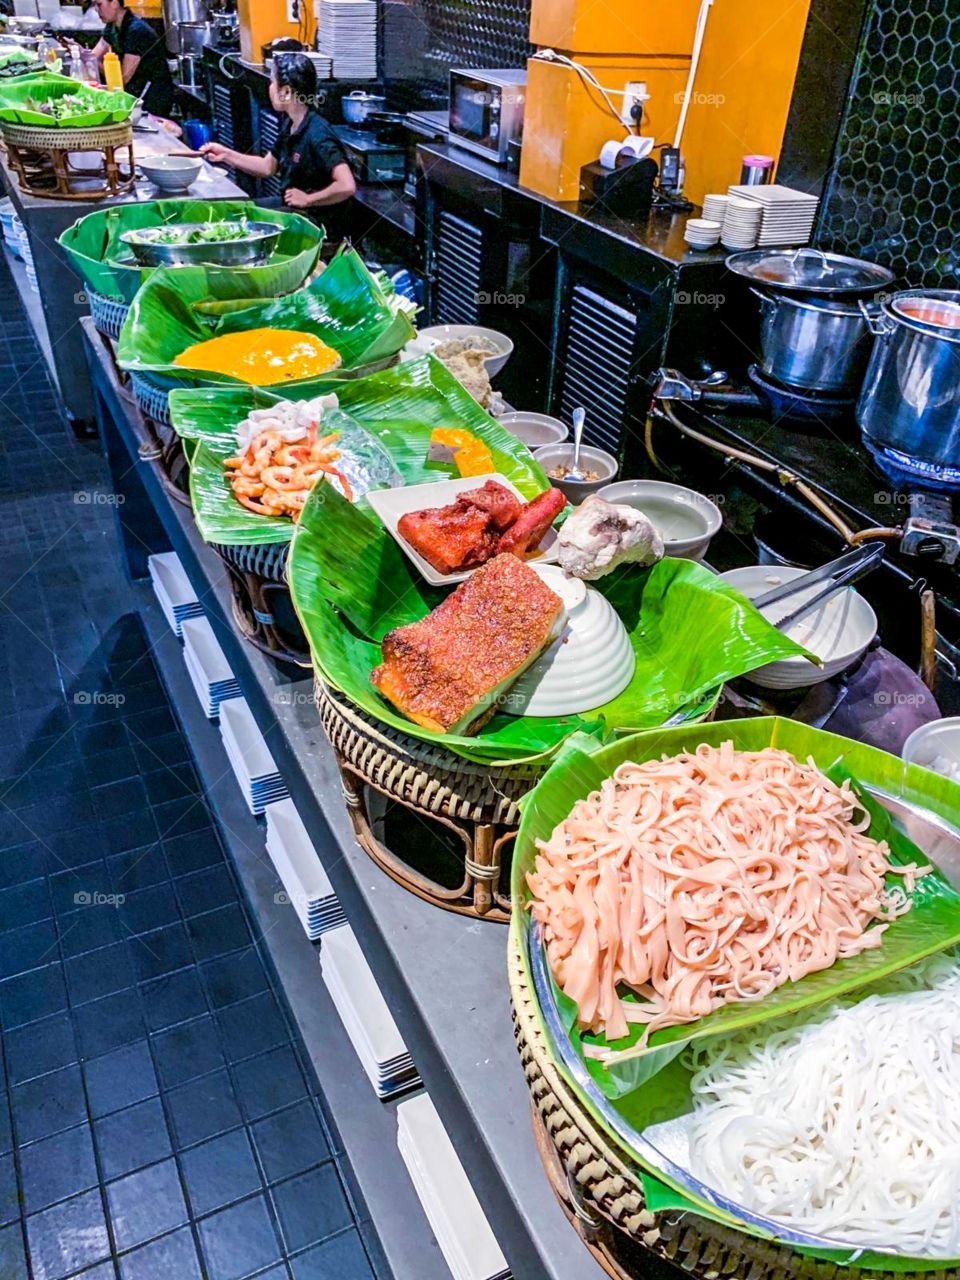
<point>765,298</point>
<point>877,322</point>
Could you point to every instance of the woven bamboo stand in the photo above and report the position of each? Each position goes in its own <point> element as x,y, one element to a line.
<point>108,314</point>
<point>167,447</point>
<point>477,803</point>
<point>601,1192</point>
<point>262,608</point>
<point>41,159</point>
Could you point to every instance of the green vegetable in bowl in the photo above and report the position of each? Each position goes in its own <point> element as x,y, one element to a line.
<point>209,233</point>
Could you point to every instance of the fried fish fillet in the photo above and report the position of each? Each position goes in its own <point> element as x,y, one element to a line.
<point>447,671</point>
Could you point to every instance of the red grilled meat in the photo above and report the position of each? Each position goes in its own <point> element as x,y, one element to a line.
<point>503,506</point>
<point>532,523</point>
<point>450,538</point>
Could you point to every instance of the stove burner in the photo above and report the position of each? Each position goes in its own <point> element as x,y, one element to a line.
<point>791,402</point>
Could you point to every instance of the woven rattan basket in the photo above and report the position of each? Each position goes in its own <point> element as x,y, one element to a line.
<point>108,314</point>
<point>476,802</point>
<point>262,608</point>
<point>602,1193</point>
<point>41,159</point>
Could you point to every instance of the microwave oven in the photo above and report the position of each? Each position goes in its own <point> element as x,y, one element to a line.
<point>486,110</point>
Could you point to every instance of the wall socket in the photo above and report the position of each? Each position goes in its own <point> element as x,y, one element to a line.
<point>635,94</point>
<point>293,10</point>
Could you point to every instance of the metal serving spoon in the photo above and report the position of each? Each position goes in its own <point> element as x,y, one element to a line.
<point>578,419</point>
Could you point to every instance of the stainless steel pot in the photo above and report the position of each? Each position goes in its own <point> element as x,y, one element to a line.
<point>814,344</point>
<point>909,409</point>
<point>358,105</point>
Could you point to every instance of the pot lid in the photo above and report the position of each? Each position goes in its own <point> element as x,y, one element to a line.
<point>809,271</point>
<point>929,308</point>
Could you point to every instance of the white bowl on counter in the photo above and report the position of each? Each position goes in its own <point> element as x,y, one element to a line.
<point>534,429</point>
<point>170,173</point>
<point>551,456</point>
<point>937,741</point>
<point>590,662</point>
<point>431,337</point>
<point>686,520</point>
<point>838,631</point>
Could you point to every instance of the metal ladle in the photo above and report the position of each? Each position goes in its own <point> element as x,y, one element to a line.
<point>575,473</point>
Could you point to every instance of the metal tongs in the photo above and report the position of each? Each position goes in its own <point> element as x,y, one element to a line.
<point>837,574</point>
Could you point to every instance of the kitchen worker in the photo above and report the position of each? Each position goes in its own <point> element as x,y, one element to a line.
<point>312,166</point>
<point>142,53</point>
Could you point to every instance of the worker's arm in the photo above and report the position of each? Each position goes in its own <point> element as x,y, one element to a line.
<point>129,65</point>
<point>259,166</point>
<point>342,187</point>
<point>100,50</point>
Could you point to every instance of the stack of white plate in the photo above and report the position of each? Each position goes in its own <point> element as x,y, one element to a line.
<point>364,1014</point>
<point>8,220</point>
<point>702,233</point>
<point>253,765</point>
<point>207,666</point>
<point>322,64</point>
<point>172,588</point>
<point>347,33</point>
<point>787,215</point>
<point>300,870</point>
<point>715,206</point>
<point>450,1203</point>
<point>741,223</point>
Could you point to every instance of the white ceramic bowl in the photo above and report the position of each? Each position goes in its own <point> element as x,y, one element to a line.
<point>685,519</point>
<point>534,429</point>
<point>171,173</point>
<point>591,459</point>
<point>591,661</point>
<point>938,738</point>
<point>837,631</point>
<point>427,339</point>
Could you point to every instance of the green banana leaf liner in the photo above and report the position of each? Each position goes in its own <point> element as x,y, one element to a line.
<point>344,307</point>
<point>654,1086</point>
<point>397,409</point>
<point>690,632</point>
<point>15,108</point>
<point>106,265</point>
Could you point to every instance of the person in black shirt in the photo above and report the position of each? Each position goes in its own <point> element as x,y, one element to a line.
<point>310,162</point>
<point>142,54</point>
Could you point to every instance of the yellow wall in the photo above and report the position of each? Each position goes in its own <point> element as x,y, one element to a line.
<point>566,122</point>
<point>262,21</point>
<point>743,89</point>
<point>646,27</point>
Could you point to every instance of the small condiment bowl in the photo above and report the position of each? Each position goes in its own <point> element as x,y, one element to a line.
<point>534,429</point>
<point>937,740</point>
<point>432,336</point>
<point>605,464</point>
<point>685,519</point>
<point>170,173</point>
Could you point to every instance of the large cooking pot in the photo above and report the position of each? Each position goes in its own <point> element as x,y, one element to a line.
<point>358,105</point>
<point>909,409</point>
<point>814,344</point>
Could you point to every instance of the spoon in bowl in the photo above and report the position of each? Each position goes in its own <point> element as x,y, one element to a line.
<point>575,473</point>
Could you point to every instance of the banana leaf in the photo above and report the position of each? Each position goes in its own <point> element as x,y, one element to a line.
<point>222,520</point>
<point>93,246</point>
<point>626,1099</point>
<point>344,307</point>
<point>690,633</point>
<point>102,106</point>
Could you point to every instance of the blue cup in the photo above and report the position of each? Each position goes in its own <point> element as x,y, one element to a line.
<point>196,133</point>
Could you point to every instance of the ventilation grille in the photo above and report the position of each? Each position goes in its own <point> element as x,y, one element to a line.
<point>596,370</point>
<point>458,263</point>
<point>223,115</point>
<point>269,133</point>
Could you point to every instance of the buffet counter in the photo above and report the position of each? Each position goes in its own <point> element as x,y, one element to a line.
<point>458,1027</point>
<point>56,312</point>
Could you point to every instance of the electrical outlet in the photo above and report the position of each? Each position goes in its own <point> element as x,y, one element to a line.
<point>293,10</point>
<point>634,96</point>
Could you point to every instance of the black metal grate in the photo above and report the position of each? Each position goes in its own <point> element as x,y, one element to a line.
<point>223,115</point>
<point>269,130</point>
<point>468,33</point>
<point>897,169</point>
<point>458,266</point>
<point>601,336</point>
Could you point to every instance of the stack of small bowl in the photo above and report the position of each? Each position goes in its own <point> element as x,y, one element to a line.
<point>702,233</point>
<point>715,206</point>
<point>741,223</point>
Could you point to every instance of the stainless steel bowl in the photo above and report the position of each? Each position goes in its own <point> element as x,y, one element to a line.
<point>255,247</point>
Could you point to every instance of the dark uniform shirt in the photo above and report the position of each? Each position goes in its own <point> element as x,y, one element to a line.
<point>306,158</point>
<point>137,37</point>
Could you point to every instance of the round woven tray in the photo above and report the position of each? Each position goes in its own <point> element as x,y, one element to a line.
<point>92,138</point>
<point>601,1191</point>
<point>476,802</point>
<point>153,401</point>
<point>262,608</point>
<point>108,314</point>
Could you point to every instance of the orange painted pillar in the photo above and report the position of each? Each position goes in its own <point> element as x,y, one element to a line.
<point>264,20</point>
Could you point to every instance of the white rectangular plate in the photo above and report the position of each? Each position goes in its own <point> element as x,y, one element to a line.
<point>391,504</point>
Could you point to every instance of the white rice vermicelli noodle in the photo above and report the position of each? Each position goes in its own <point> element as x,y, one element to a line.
<point>703,878</point>
<point>846,1127</point>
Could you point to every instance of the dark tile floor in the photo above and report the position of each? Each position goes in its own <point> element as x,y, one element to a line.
<point>158,1120</point>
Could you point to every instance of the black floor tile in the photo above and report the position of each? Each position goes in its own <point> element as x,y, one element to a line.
<point>206,890</point>
<point>146,1204</point>
<point>120,1078</point>
<point>13,1262</point>
<point>68,1237</point>
<point>32,996</point>
<point>234,977</point>
<point>311,1207</point>
<point>48,1104</point>
<point>239,1241</point>
<point>218,932</point>
<point>29,947</point>
<point>269,1082</point>
<point>40,1047</point>
<point>290,1141</point>
<point>104,1025</point>
<point>144,910</point>
<point>192,852</point>
<point>159,952</point>
<point>252,1027</point>
<point>99,973</point>
<point>9,1195</point>
<point>343,1257</point>
<point>93,925</point>
<point>56,1168</point>
<point>203,1108</point>
<point>128,1140</point>
<point>189,1050</point>
<point>219,1172</point>
<point>172,999</point>
<point>138,868</point>
<point>173,1256</point>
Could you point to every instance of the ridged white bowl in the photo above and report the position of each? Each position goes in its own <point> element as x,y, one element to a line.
<point>590,663</point>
